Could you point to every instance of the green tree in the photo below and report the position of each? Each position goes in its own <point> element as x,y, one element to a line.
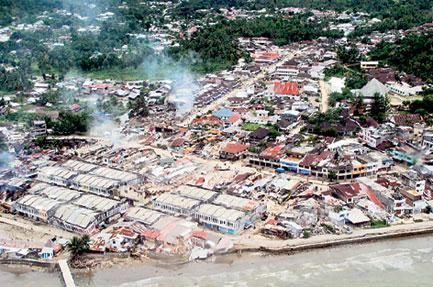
<point>51,96</point>
<point>138,107</point>
<point>348,55</point>
<point>379,107</point>
<point>70,123</point>
<point>79,245</point>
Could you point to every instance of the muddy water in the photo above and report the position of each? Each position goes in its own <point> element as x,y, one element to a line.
<point>406,262</point>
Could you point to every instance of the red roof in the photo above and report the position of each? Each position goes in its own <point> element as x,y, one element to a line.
<point>407,120</point>
<point>235,148</point>
<point>241,110</point>
<point>272,221</point>
<point>75,107</point>
<point>288,88</point>
<point>200,181</point>
<point>273,151</point>
<point>124,231</point>
<point>372,197</point>
<point>208,120</point>
<point>200,234</point>
<point>234,118</point>
<point>266,56</point>
<point>312,159</point>
<point>151,234</point>
<point>347,191</point>
<point>178,142</point>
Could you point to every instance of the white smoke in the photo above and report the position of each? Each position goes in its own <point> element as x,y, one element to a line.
<point>108,130</point>
<point>184,80</point>
<point>7,160</point>
<point>104,126</point>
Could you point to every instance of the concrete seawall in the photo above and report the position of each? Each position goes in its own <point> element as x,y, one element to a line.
<point>29,262</point>
<point>288,248</point>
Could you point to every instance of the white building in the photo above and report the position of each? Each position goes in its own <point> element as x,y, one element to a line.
<point>403,89</point>
<point>175,204</point>
<point>222,219</point>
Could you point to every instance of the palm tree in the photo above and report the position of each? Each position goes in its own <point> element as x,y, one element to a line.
<point>79,245</point>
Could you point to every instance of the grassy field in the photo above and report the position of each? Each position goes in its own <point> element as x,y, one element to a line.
<point>127,74</point>
<point>378,224</point>
<point>251,126</point>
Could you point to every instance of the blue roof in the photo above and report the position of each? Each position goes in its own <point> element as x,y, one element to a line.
<point>223,113</point>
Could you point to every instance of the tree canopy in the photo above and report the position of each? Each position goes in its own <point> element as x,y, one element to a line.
<point>412,54</point>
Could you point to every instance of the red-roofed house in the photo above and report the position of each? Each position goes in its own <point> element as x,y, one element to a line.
<point>233,119</point>
<point>270,157</point>
<point>272,152</point>
<point>348,192</point>
<point>207,121</point>
<point>286,89</point>
<point>233,151</point>
<point>266,57</point>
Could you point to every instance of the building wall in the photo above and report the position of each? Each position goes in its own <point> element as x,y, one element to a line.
<point>219,224</point>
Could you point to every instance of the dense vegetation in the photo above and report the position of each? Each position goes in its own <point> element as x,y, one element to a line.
<point>217,44</point>
<point>413,54</point>
<point>355,79</point>
<point>70,123</point>
<point>423,106</point>
<point>402,14</point>
<point>10,9</point>
<point>214,47</point>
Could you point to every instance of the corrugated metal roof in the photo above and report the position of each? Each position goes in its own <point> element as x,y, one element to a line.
<point>97,203</point>
<point>38,202</point>
<point>220,212</point>
<point>177,200</point>
<point>74,215</point>
<point>143,215</point>
<point>196,193</point>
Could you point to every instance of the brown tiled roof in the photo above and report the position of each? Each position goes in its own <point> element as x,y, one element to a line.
<point>346,191</point>
<point>235,148</point>
<point>407,120</point>
<point>178,142</point>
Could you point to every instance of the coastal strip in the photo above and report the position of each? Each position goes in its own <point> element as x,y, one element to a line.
<point>381,234</point>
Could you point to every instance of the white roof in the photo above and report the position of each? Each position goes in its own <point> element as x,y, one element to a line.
<point>74,215</point>
<point>60,193</point>
<point>337,84</point>
<point>38,202</point>
<point>196,193</point>
<point>220,212</point>
<point>95,181</point>
<point>143,215</point>
<point>79,165</point>
<point>373,87</point>
<point>356,216</point>
<point>57,171</point>
<point>240,203</point>
<point>177,200</point>
<point>114,174</point>
<point>96,203</point>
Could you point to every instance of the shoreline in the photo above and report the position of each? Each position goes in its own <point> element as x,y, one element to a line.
<point>380,235</point>
<point>270,247</point>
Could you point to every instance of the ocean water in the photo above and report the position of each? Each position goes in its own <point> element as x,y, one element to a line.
<point>405,262</point>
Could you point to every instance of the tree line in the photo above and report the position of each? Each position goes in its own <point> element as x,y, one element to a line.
<point>218,48</point>
<point>412,54</point>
